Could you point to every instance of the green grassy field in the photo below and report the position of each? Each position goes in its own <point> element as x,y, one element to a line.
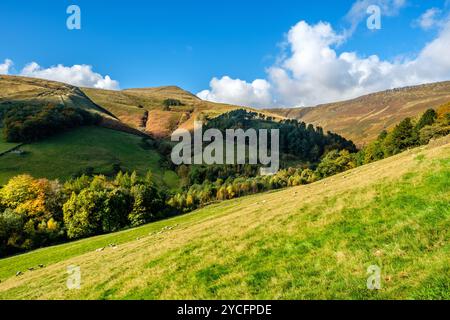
<point>5,146</point>
<point>61,156</point>
<point>308,242</point>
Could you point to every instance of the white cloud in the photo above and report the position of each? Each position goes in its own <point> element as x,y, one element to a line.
<point>236,91</point>
<point>77,75</point>
<point>312,72</point>
<point>429,19</point>
<point>5,66</point>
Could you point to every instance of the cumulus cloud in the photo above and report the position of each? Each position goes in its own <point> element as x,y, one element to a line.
<point>5,66</point>
<point>77,75</point>
<point>239,92</point>
<point>313,72</point>
<point>429,19</point>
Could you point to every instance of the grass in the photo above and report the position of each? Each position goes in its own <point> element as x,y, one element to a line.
<point>5,146</point>
<point>61,156</point>
<point>308,242</point>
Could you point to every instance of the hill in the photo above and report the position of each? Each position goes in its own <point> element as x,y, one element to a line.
<point>144,109</point>
<point>309,242</point>
<point>83,150</point>
<point>363,118</point>
<point>32,91</point>
<point>24,91</point>
<point>137,112</point>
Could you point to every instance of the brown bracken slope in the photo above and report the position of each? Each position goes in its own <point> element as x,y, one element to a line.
<point>363,118</point>
<point>144,109</point>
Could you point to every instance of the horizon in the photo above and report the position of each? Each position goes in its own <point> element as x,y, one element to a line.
<point>243,106</point>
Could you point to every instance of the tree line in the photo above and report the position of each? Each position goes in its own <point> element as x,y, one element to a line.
<point>298,140</point>
<point>407,134</point>
<point>27,123</point>
<point>39,212</point>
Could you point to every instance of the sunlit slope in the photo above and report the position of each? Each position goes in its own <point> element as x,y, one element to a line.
<point>83,149</point>
<point>314,241</point>
<point>122,110</point>
<point>360,119</point>
<point>23,91</point>
<point>144,108</point>
<point>16,90</point>
<point>363,118</point>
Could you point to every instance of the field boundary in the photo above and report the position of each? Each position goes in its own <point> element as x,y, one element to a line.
<point>11,150</point>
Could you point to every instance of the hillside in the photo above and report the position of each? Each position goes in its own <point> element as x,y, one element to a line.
<point>15,90</point>
<point>308,242</point>
<point>363,118</point>
<point>141,108</point>
<point>144,109</point>
<point>77,151</point>
<point>74,152</point>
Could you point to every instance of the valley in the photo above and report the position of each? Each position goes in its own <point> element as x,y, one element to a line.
<point>307,242</point>
<point>226,233</point>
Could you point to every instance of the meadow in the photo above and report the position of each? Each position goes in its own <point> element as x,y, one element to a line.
<point>308,242</point>
<point>6,146</point>
<point>84,149</point>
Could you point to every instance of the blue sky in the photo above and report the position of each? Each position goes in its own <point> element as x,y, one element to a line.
<point>188,43</point>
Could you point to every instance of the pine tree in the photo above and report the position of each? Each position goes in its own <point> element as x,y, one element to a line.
<point>427,119</point>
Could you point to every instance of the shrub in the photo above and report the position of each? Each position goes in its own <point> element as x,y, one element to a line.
<point>172,103</point>
<point>83,213</point>
<point>335,162</point>
<point>11,232</point>
<point>373,152</point>
<point>403,136</point>
<point>36,204</point>
<point>427,119</point>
